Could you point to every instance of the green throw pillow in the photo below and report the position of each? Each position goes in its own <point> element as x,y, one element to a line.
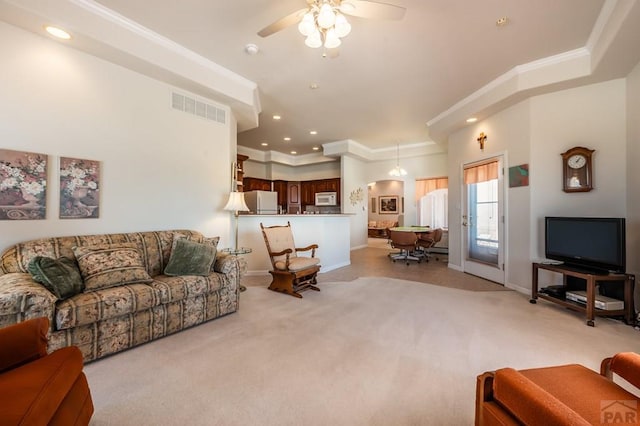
<point>60,276</point>
<point>190,258</point>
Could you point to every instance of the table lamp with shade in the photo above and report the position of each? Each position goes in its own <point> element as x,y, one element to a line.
<point>236,204</point>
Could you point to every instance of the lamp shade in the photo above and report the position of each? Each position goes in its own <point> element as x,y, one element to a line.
<point>397,172</point>
<point>314,40</point>
<point>326,16</point>
<point>307,25</point>
<point>342,26</point>
<point>236,202</point>
<point>331,39</point>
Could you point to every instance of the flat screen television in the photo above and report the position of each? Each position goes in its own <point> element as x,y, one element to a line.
<point>590,243</point>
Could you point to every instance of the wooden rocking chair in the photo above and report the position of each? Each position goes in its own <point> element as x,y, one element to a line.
<point>291,273</point>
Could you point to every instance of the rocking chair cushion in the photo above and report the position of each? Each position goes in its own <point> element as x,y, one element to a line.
<point>297,263</point>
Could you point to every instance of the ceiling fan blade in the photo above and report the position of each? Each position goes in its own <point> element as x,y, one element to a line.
<point>283,23</point>
<point>372,9</point>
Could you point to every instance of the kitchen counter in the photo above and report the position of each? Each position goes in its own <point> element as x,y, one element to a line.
<point>330,231</point>
<point>299,215</point>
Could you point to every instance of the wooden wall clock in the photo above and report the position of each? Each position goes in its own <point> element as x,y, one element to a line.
<point>577,170</point>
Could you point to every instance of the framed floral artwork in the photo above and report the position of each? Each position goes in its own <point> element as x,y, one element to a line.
<point>23,185</point>
<point>79,188</point>
<point>388,204</point>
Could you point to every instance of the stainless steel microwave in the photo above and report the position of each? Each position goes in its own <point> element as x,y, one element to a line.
<point>326,198</point>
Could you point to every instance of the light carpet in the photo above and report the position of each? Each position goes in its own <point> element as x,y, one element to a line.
<point>374,351</point>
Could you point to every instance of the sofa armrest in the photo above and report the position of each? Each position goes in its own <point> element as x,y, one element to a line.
<point>625,365</point>
<point>230,265</point>
<point>22,343</point>
<point>529,403</point>
<point>21,298</point>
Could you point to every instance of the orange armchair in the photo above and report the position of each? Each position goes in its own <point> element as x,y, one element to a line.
<point>37,388</point>
<point>561,395</point>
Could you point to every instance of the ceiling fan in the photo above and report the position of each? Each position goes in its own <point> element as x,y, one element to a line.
<point>323,21</point>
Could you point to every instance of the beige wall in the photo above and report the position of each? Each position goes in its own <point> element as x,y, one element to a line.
<point>508,136</point>
<point>160,168</point>
<point>536,131</point>
<point>633,173</point>
<point>353,179</point>
<point>417,167</point>
<point>384,188</point>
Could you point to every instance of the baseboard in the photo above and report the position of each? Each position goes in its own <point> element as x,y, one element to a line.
<point>332,267</point>
<point>455,267</point>
<point>519,289</point>
<point>323,269</point>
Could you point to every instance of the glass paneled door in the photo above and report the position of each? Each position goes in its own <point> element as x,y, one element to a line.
<point>483,219</point>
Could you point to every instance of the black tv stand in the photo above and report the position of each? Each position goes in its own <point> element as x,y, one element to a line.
<point>591,279</point>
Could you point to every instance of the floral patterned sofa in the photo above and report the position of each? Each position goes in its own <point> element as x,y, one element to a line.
<point>103,321</point>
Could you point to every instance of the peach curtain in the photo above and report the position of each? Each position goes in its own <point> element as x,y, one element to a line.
<point>425,186</point>
<point>481,173</point>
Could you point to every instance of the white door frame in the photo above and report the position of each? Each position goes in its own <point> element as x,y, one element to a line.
<point>484,270</point>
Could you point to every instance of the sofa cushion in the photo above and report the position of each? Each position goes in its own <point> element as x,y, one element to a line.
<point>171,289</point>
<point>93,306</point>
<point>198,238</point>
<point>190,258</point>
<point>60,276</point>
<point>110,265</point>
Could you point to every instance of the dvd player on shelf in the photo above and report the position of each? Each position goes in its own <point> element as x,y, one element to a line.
<point>601,302</point>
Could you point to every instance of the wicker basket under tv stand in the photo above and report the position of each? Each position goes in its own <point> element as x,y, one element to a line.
<point>592,279</point>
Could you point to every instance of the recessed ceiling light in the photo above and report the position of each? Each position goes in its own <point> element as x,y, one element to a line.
<point>264,144</point>
<point>313,86</point>
<point>313,132</point>
<point>315,148</point>
<point>472,120</point>
<point>293,152</point>
<point>276,117</point>
<point>502,21</point>
<point>58,32</point>
<point>287,139</point>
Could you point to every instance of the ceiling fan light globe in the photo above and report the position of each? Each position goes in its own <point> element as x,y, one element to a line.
<point>326,16</point>
<point>313,40</point>
<point>306,26</point>
<point>342,26</point>
<point>331,40</point>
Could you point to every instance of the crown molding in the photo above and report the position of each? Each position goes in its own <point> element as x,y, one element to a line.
<point>536,77</point>
<point>108,35</point>
<point>281,158</point>
<point>353,149</point>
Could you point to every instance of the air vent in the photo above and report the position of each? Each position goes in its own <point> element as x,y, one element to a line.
<point>201,109</point>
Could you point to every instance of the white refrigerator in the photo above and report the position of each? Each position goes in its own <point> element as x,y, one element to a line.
<point>262,202</point>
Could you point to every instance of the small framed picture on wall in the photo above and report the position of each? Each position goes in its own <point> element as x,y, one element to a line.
<point>388,204</point>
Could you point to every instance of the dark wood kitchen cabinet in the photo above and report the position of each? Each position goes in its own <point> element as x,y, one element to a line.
<point>280,186</point>
<point>256,184</point>
<point>294,198</point>
<point>308,193</point>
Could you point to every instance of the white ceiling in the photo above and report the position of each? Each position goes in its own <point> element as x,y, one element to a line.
<point>438,65</point>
